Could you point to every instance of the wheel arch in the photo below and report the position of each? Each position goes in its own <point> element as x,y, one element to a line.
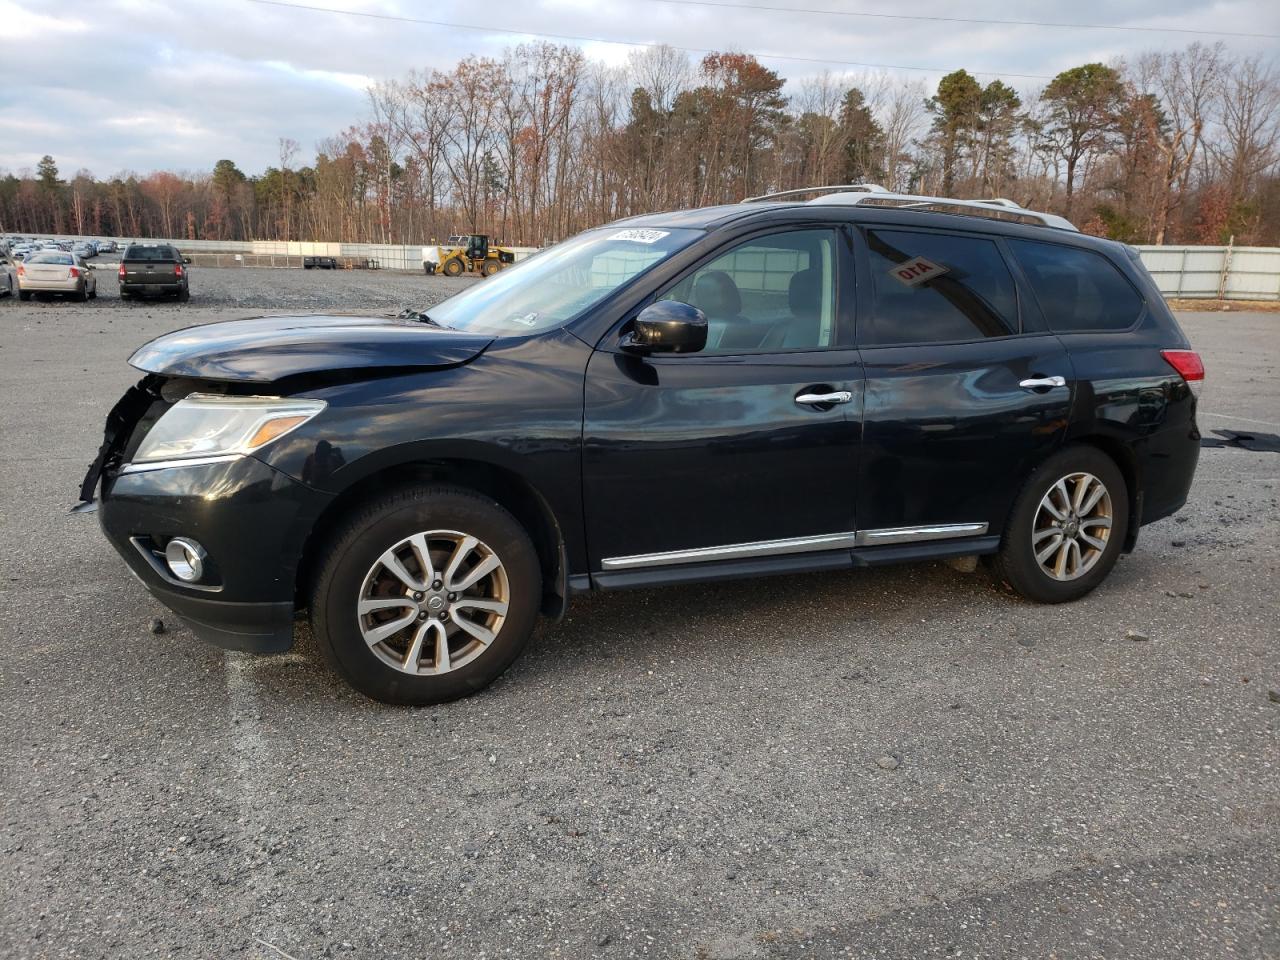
<point>506,487</point>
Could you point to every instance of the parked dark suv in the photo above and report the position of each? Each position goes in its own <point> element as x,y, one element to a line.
<point>728,392</point>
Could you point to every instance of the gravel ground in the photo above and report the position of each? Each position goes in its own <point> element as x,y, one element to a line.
<point>690,772</point>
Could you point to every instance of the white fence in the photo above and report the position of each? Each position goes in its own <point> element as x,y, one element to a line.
<point>1215,273</point>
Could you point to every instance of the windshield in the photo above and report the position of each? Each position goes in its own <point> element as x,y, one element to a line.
<point>556,285</point>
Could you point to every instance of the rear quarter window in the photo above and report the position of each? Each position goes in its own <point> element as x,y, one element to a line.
<point>1078,290</point>
<point>937,288</point>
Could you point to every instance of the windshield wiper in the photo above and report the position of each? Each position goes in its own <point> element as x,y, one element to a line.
<point>408,313</point>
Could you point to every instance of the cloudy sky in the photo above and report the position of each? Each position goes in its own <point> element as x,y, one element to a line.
<point>140,85</point>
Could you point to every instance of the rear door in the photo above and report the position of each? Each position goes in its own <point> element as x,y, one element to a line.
<point>745,451</point>
<point>966,392</point>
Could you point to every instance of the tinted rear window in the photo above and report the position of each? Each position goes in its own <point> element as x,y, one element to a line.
<point>155,254</point>
<point>933,288</point>
<point>1077,289</point>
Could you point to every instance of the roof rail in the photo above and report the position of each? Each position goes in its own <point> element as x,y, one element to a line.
<point>874,195</point>
<point>841,188</point>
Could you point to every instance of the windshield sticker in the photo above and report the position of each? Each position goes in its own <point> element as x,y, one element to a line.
<point>916,271</point>
<point>641,236</point>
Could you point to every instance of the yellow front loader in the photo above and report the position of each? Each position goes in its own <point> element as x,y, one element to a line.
<point>466,253</point>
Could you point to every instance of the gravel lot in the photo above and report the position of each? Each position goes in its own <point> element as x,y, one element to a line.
<point>684,773</point>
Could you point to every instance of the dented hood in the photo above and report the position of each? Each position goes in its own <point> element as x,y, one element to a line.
<point>270,348</point>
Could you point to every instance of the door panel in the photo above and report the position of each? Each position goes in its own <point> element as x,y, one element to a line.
<point>949,434</point>
<point>681,453</point>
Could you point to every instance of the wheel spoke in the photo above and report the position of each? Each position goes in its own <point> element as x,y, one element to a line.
<point>481,603</point>
<point>376,635</point>
<point>476,573</point>
<point>373,604</point>
<point>443,662</point>
<point>1075,557</point>
<point>1058,513</point>
<point>1060,562</point>
<point>1046,532</point>
<point>414,653</point>
<point>418,543</point>
<point>460,554</point>
<point>1093,541</point>
<point>1048,551</point>
<point>1082,487</point>
<point>1098,493</point>
<point>483,634</point>
<point>1104,522</point>
<point>393,566</point>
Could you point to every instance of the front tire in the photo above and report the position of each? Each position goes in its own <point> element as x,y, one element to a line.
<point>1067,527</point>
<point>426,595</point>
<point>453,267</point>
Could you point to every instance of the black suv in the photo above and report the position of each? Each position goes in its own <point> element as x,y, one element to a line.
<point>727,392</point>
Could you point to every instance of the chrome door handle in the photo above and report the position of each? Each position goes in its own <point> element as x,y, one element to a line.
<point>1036,382</point>
<point>840,396</point>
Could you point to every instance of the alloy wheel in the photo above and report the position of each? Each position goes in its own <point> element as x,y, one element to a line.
<point>1072,526</point>
<point>433,602</point>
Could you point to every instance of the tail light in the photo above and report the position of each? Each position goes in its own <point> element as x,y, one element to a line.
<point>21,271</point>
<point>120,273</point>
<point>177,269</point>
<point>73,272</point>
<point>1189,366</point>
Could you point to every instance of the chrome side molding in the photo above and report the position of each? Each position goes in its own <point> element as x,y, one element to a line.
<point>773,548</point>
<point>945,531</point>
<point>733,551</point>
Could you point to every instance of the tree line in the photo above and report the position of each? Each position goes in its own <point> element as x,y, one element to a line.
<point>1174,147</point>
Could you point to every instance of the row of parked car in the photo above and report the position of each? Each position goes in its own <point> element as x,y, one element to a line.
<point>146,269</point>
<point>20,248</point>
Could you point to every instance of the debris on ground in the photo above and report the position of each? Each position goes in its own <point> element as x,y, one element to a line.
<point>156,625</point>
<point>887,763</point>
<point>1137,635</point>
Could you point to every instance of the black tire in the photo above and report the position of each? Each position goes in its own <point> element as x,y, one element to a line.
<point>24,294</point>
<point>93,294</point>
<point>81,294</point>
<point>184,295</point>
<point>125,295</point>
<point>1016,566</point>
<point>453,267</point>
<point>373,528</point>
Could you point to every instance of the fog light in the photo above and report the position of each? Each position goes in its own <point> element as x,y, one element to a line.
<point>185,558</point>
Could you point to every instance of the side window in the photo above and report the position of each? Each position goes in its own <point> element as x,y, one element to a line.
<point>1077,289</point>
<point>933,287</point>
<point>771,293</point>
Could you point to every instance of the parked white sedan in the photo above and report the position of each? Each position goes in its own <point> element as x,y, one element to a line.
<point>8,286</point>
<point>52,271</point>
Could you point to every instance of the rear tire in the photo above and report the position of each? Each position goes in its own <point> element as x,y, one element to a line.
<point>82,294</point>
<point>489,268</point>
<point>24,294</point>
<point>408,665</point>
<point>1066,529</point>
<point>184,295</point>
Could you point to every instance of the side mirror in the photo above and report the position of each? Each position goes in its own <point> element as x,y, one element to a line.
<point>186,259</point>
<point>668,326</point>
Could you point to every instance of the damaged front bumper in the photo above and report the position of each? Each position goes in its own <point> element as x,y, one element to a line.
<point>250,519</point>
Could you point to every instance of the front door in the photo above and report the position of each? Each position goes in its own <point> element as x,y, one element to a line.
<point>964,396</point>
<point>744,451</point>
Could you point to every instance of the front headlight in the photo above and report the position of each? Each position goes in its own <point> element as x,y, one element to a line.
<point>205,425</point>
